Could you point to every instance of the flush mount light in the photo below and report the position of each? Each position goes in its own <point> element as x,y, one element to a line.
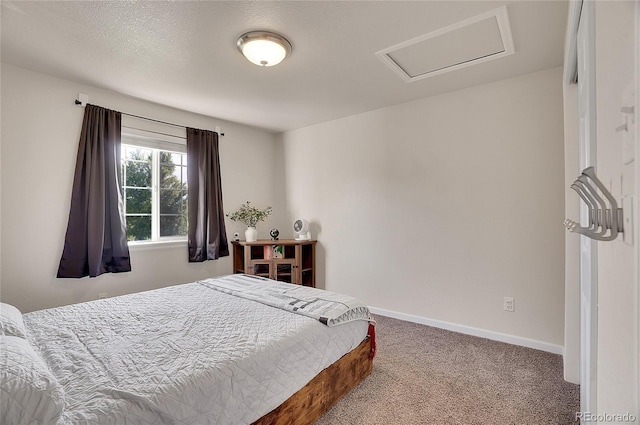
<point>264,48</point>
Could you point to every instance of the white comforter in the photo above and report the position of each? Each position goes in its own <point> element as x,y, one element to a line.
<point>185,354</point>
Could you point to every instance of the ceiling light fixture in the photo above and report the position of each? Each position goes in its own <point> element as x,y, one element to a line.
<point>264,48</point>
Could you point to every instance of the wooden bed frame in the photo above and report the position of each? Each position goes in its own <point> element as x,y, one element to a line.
<point>324,391</point>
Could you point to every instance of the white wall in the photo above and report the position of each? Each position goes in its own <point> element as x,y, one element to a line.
<point>40,131</point>
<point>441,207</point>
<point>617,44</point>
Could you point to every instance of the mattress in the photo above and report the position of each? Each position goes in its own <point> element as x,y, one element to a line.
<point>185,354</point>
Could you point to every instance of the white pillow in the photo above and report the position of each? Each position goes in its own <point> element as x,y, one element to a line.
<point>29,391</point>
<point>11,321</point>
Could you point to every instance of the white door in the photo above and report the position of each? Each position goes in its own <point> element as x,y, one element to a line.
<point>588,247</point>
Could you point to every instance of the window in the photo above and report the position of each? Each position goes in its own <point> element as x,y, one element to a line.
<point>154,183</point>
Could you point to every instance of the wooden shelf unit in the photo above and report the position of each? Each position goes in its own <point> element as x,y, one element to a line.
<point>293,262</point>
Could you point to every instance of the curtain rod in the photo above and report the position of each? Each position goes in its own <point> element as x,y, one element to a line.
<point>145,118</point>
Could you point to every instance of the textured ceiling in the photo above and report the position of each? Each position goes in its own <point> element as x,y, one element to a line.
<point>183,54</point>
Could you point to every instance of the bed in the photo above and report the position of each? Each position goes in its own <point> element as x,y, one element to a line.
<point>236,349</point>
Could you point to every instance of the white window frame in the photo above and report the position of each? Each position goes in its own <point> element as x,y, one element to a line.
<point>156,142</point>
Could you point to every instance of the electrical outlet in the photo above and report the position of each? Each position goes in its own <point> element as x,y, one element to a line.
<point>509,304</point>
<point>102,295</point>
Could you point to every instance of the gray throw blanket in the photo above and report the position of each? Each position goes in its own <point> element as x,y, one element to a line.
<point>327,307</point>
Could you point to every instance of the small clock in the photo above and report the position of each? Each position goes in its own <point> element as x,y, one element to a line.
<point>274,234</point>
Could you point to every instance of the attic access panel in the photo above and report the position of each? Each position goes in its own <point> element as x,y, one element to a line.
<point>469,42</point>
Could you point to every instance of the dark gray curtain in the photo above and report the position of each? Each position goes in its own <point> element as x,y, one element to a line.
<point>207,232</point>
<point>96,242</point>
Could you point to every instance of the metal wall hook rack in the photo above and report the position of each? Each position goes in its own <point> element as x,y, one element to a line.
<point>605,218</point>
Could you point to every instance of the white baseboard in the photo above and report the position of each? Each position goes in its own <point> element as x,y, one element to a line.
<point>468,330</point>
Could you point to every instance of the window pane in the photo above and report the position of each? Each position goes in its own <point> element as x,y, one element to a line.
<point>137,154</point>
<point>170,177</point>
<point>173,225</point>
<point>138,201</point>
<point>174,158</point>
<point>138,228</point>
<point>138,174</point>
<point>172,201</point>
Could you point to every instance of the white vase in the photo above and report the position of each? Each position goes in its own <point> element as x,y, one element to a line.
<point>251,234</point>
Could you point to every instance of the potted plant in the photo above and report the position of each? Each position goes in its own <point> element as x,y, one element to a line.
<point>250,216</point>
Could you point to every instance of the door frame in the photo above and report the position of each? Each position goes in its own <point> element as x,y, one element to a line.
<point>580,67</point>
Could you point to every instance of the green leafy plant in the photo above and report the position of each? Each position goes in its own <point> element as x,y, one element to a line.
<point>249,215</point>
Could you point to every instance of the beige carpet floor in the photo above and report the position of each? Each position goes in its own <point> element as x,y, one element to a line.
<point>425,375</point>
